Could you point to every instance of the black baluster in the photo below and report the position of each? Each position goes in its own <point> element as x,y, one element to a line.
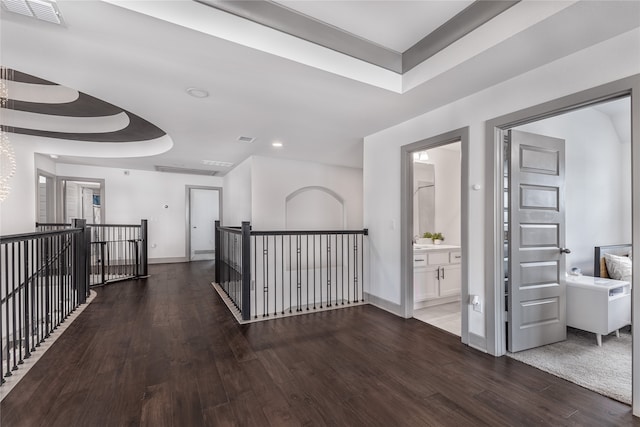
<point>47,284</point>
<point>314,272</point>
<point>2,380</point>
<point>265,278</point>
<point>298,273</point>
<point>282,270</point>
<point>255,262</point>
<point>342,268</point>
<point>328,270</point>
<point>362,266</point>
<point>33,281</point>
<point>290,275</point>
<point>348,269</point>
<point>7,323</point>
<point>355,268</point>
<point>13,302</point>
<point>40,266</point>
<point>19,265</point>
<point>307,265</point>
<point>27,332</point>
<point>275,276</point>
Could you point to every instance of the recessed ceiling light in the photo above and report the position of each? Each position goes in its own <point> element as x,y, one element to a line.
<point>277,144</point>
<point>197,93</point>
<point>53,156</point>
<point>217,163</point>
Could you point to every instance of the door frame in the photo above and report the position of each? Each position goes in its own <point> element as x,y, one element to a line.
<point>495,128</point>
<point>406,223</point>
<point>61,197</point>
<point>187,221</point>
<point>51,206</point>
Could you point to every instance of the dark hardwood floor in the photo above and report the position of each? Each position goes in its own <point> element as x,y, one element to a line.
<point>165,351</point>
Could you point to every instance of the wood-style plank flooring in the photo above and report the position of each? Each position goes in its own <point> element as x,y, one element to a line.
<point>165,351</point>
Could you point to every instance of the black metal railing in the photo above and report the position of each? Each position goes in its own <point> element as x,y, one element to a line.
<point>118,251</point>
<point>233,265</point>
<point>43,279</point>
<point>271,273</point>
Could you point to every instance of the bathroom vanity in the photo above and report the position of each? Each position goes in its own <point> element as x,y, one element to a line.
<point>436,274</point>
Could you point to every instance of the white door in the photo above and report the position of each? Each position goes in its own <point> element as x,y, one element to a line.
<point>204,210</point>
<point>537,293</point>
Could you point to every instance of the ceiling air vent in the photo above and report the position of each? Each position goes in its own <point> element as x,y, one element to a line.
<point>188,171</point>
<point>246,139</point>
<point>217,163</point>
<point>40,9</point>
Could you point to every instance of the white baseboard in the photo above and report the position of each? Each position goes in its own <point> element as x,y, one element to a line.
<point>478,342</point>
<point>167,260</point>
<point>384,304</point>
<point>437,301</point>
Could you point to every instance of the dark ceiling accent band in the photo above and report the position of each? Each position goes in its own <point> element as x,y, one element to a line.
<point>21,77</point>
<point>473,16</point>
<point>138,130</point>
<point>84,106</point>
<point>296,24</point>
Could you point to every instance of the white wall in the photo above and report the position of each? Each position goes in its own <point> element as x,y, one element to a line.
<point>314,209</point>
<point>424,215</point>
<point>448,209</point>
<point>597,186</point>
<point>605,62</point>
<point>236,197</point>
<point>274,179</point>
<point>18,211</point>
<point>156,196</point>
<point>45,163</point>
<point>447,217</point>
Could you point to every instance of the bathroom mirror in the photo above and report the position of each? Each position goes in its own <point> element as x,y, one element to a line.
<point>424,198</point>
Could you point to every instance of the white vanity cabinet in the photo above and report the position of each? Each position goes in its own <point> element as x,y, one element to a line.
<point>436,275</point>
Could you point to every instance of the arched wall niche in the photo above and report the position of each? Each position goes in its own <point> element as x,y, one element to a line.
<point>315,208</point>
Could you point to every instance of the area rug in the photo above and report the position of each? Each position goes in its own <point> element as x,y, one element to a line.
<point>605,370</point>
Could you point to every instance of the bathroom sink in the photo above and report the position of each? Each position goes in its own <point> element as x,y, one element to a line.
<point>417,246</point>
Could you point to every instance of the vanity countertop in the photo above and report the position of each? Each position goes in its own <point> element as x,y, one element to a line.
<point>417,247</point>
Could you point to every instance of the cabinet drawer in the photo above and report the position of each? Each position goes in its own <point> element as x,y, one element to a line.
<point>419,260</point>
<point>437,258</point>
<point>455,257</point>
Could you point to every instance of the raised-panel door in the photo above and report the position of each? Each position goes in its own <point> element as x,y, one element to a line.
<point>537,303</point>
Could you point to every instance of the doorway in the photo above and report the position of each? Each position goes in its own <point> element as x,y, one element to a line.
<point>496,301</point>
<point>594,215</point>
<point>429,269</point>
<point>204,207</point>
<point>45,194</point>
<point>436,237</point>
<point>80,198</point>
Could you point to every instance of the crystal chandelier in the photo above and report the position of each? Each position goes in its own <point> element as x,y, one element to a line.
<point>7,157</point>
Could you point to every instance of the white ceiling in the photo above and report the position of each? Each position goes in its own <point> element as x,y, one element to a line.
<point>396,25</point>
<point>144,64</point>
<point>618,112</point>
